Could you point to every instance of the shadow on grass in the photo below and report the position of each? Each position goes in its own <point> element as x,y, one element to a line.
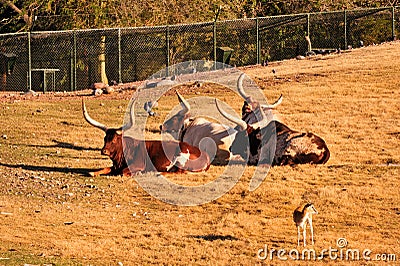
<point>59,144</point>
<point>65,145</point>
<point>38,168</point>
<point>212,237</point>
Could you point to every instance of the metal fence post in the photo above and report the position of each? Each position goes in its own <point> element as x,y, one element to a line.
<point>215,44</point>
<point>29,62</point>
<point>119,57</point>
<point>258,40</point>
<point>72,64</point>
<point>308,24</point>
<point>75,64</point>
<point>345,29</point>
<point>393,24</point>
<point>167,50</point>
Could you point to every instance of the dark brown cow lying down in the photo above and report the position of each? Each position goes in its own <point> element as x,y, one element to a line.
<point>292,147</point>
<point>130,155</point>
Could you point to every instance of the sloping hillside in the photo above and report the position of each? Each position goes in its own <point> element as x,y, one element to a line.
<point>52,213</point>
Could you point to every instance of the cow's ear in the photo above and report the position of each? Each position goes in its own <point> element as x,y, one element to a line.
<point>119,132</point>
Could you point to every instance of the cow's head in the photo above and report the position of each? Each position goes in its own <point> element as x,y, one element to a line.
<point>249,138</point>
<point>176,122</point>
<point>113,139</point>
<point>254,129</point>
<point>251,106</point>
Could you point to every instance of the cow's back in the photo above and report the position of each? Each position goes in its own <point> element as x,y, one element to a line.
<point>164,154</point>
<point>295,147</point>
<point>214,138</point>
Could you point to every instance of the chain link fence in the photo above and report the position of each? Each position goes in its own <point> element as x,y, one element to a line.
<point>73,60</point>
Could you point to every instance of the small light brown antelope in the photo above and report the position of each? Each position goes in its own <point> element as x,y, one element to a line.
<point>301,216</point>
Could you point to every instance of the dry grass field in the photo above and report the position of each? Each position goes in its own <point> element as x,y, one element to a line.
<point>52,213</point>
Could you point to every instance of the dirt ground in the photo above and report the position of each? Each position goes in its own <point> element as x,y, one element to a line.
<point>53,213</point>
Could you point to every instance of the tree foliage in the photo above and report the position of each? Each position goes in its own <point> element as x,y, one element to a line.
<point>19,15</point>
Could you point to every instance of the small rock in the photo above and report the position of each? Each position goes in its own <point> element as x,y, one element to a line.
<point>151,85</point>
<point>108,90</point>
<point>38,177</point>
<point>4,136</point>
<point>98,86</point>
<point>30,92</point>
<point>97,92</point>
<point>198,84</point>
<point>166,82</point>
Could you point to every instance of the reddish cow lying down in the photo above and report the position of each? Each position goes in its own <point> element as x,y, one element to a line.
<point>130,155</point>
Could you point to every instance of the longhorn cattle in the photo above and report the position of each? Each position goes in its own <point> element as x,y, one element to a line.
<point>292,147</point>
<point>251,106</point>
<point>130,155</point>
<point>214,138</point>
<point>217,139</point>
<point>176,123</point>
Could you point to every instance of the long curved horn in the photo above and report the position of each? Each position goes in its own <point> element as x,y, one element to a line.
<point>274,105</point>
<point>240,86</point>
<point>131,120</point>
<point>91,120</point>
<point>238,121</point>
<point>184,103</point>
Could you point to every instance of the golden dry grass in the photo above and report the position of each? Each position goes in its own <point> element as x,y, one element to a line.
<point>52,213</point>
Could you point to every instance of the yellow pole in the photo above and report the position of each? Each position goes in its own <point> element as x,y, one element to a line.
<point>102,60</point>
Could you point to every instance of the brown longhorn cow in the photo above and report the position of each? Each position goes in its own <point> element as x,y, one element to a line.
<point>130,155</point>
<point>255,130</point>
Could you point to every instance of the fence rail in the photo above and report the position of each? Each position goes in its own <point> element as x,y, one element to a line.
<point>73,60</point>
